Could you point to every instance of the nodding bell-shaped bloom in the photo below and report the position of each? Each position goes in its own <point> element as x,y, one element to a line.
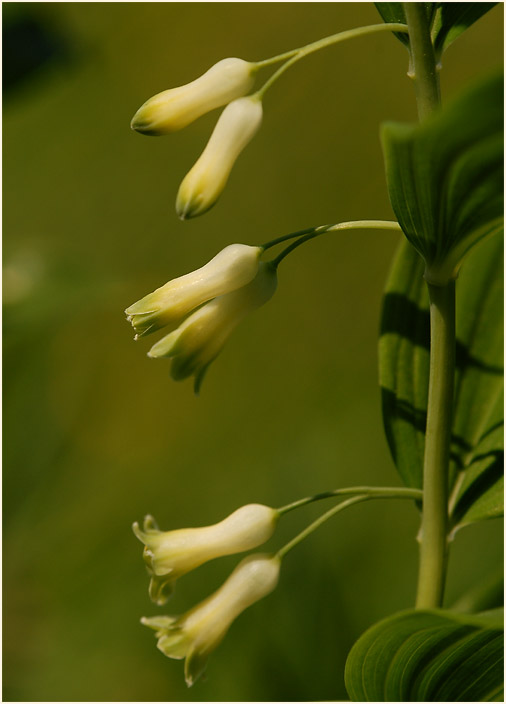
<point>203,184</point>
<point>230,269</point>
<point>200,338</point>
<point>171,554</point>
<point>173,109</point>
<point>198,632</point>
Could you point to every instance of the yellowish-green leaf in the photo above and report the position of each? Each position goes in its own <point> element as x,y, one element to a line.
<point>435,656</point>
<point>447,20</point>
<point>452,18</point>
<point>404,363</point>
<point>445,177</point>
<point>477,440</point>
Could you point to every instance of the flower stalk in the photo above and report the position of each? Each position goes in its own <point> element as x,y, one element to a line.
<point>364,494</point>
<point>378,492</point>
<point>317,231</point>
<point>297,54</point>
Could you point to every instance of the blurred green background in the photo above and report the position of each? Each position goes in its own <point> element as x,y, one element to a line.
<point>96,435</point>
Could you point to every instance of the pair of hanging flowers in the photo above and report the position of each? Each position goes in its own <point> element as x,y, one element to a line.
<point>225,83</point>
<point>170,555</point>
<point>218,296</point>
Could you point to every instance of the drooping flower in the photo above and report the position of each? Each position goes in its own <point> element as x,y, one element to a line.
<point>230,269</point>
<point>171,554</point>
<point>197,633</point>
<point>173,109</point>
<point>200,338</point>
<point>203,184</point>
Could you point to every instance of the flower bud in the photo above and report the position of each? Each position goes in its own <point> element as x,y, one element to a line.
<point>200,338</point>
<point>173,109</point>
<point>173,553</point>
<point>203,184</point>
<point>198,632</point>
<point>233,267</point>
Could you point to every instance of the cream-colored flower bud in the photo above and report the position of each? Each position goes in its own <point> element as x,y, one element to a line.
<point>198,632</point>
<point>233,267</point>
<point>200,338</point>
<point>173,109</point>
<point>171,554</point>
<point>203,184</point>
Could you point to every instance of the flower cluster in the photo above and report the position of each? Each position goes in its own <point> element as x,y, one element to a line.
<point>203,308</point>
<point>218,296</point>
<point>225,83</point>
<point>171,554</point>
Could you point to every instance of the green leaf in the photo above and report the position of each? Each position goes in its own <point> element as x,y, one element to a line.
<point>447,19</point>
<point>488,593</point>
<point>404,363</point>
<point>453,18</point>
<point>394,12</point>
<point>477,440</point>
<point>445,177</point>
<point>481,494</point>
<point>437,655</point>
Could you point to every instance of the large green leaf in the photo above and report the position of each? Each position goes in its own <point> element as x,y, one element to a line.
<point>477,439</point>
<point>445,177</point>
<point>439,656</point>
<point>404,363</point>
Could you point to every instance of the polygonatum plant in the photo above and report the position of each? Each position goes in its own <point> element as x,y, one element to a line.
<point>440,358</point>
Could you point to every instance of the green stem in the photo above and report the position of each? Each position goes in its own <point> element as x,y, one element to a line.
<point>379,492</point>
<point>423,61</point>
<point>351,225</point>
<point>387,494</point>
<point>298,54</point>
<point>293,235</point>
<point>434,528</point>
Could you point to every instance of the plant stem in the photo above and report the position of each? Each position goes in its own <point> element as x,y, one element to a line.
<point>434,528</point>
<point>379,493</point>
<point>298,54</point>
<point>423,61</point>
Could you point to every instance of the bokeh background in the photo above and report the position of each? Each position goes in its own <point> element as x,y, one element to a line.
<point>96,435</point>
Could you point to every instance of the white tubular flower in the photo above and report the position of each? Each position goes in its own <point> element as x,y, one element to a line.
<point>198,632</point>
<point>171,554</point>
<point>230,269</point>
<point>173,109</point>
<point>200,338</point>
<point>203,184</point>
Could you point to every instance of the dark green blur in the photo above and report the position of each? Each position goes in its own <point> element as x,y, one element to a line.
<point>96,435</point>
